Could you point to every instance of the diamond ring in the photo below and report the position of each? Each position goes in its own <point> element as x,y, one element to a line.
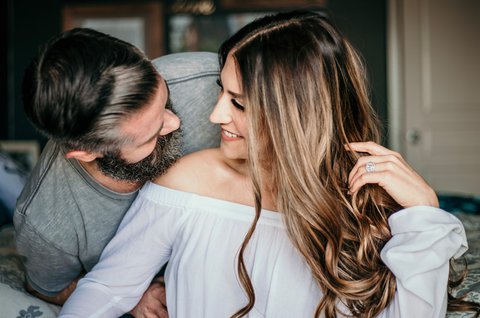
<point>370,167</point>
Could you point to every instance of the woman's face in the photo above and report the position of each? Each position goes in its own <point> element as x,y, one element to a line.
<point>229,113</point>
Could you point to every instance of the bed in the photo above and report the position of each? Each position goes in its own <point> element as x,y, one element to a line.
<point>15,302</point>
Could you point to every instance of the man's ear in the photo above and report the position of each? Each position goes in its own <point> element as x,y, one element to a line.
<point>82,155</point>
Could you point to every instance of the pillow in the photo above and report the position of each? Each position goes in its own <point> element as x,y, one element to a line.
<point>12,272</point>
<point>459,203</point>
<point>470,286</point>
<point>12,180</point>
<point>15,302</point>
<point>18,304</point>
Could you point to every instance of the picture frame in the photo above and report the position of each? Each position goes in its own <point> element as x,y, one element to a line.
<point>140,24</point>
<point>271,5</point>
<point>23,152</point>
<point>190,33</point>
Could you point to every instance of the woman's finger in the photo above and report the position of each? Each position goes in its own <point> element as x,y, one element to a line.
<point>371,148</point>
<point>396,170</point>
<point>369,163</point>
<point>363,163</point>
<point>367,178</point>
<point>405,190</point>
<point>398,185</point>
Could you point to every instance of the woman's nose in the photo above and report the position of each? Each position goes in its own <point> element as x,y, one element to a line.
<point>221,111</point>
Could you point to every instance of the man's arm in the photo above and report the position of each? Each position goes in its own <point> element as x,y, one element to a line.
<point>48,268</point>
<point>58,299</point>
<point>152,305</point>
<point>39,266</point>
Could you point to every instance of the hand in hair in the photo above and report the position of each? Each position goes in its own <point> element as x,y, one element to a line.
<point>392,173</point>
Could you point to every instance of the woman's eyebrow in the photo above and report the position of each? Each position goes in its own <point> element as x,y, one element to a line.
<point>236,95</point>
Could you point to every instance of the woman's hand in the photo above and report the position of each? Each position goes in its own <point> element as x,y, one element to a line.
<point>390,171</point>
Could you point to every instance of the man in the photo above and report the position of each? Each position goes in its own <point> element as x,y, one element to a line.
<point>111,127</point>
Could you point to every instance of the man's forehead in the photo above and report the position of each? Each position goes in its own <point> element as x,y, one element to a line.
<point>166,85</point>
<point>163,85</point>
<point>148,119</point>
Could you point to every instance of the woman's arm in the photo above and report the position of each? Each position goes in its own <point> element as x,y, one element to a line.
<point>129,262</point>
<point>424,239</point>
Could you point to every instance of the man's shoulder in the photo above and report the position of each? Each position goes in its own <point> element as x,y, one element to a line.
<point>180,67</point>
<point>40,186</point>
<point>191,79</point>
<point>60,187</point>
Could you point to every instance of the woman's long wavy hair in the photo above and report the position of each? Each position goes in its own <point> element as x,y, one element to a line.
<point>306,97</point>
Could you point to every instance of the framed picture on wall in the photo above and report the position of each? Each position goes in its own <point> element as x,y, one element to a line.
<point>269,4</point>
<point>189,32</point>
<point>140,24</point>
<point>24,152</point>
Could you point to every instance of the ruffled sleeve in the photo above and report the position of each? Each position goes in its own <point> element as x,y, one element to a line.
<point>423,241</point>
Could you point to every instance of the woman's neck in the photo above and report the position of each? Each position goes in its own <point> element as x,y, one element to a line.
<point>242,175</point>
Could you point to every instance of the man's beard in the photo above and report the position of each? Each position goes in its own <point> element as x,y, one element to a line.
<point>167,150</point>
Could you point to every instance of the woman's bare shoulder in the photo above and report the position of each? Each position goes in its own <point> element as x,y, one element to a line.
<point>192,172</point>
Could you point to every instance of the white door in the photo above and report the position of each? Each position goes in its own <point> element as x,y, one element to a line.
<point>434,90</point>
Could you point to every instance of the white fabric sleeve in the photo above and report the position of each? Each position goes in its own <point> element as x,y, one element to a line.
<point>423,241</point>
<point>141,246</point>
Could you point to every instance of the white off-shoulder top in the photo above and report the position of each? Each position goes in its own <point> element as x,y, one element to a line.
<point>200,238</point>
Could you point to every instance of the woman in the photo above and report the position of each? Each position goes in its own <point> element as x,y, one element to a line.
<point>292,215</point>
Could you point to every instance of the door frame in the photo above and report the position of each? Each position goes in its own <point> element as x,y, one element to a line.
<point>395,76</point>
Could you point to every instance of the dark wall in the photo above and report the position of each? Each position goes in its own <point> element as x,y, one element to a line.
<point>365,24</point>
<point>3,68</point>
<point>32,22</point>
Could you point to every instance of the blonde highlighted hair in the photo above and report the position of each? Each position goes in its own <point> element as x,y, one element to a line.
<point>306,98</point>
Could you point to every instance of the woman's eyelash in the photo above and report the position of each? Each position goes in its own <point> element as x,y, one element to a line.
<point>237,105</point>
<point>219,84</point>
<point>234,102</point>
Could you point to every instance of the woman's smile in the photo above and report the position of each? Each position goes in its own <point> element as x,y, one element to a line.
<point>230,136</point>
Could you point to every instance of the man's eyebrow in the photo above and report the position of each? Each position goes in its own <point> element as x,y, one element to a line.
<point>167,106</point>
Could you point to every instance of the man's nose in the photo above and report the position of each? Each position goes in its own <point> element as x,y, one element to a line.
<point>171,122</point>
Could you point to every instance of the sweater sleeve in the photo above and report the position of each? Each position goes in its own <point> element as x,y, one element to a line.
<point>424,239</point>
<point>141,246</point>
